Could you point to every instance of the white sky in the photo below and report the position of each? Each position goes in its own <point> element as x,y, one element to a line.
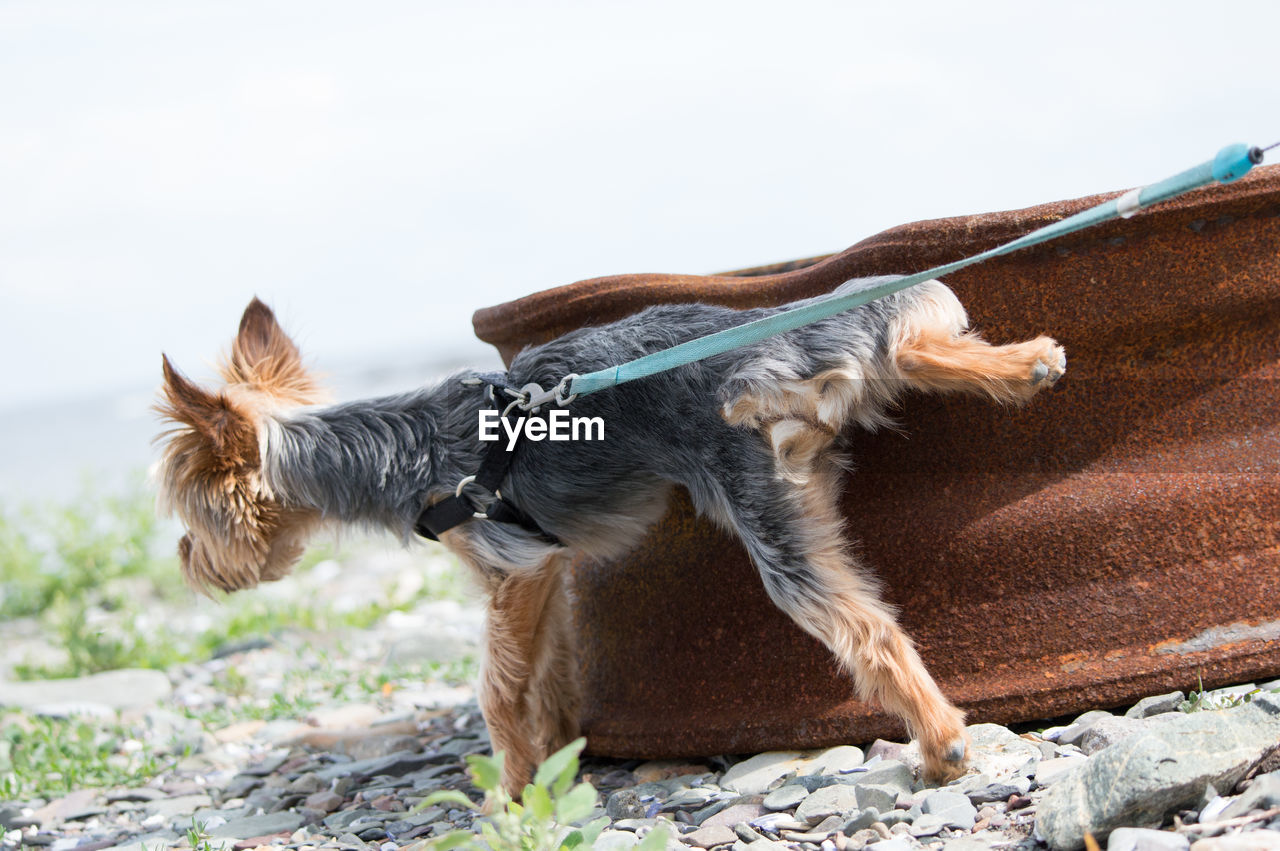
<point>378,170</point>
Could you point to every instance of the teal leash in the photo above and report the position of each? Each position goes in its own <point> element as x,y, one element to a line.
<point>1231,163</point>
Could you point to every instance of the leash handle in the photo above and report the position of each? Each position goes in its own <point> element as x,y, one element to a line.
<point>1230,164</point>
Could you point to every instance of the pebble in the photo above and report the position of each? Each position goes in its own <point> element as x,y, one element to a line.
<point>1156,705</point>
<point>831,801</point>
<point>1142,839</point>
<point>756,774</point>
<point>785,798</point>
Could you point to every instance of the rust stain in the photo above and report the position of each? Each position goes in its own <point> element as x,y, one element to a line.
<point>1057,556</point>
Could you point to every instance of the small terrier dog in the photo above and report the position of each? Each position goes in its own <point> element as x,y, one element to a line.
<point>756,436</point>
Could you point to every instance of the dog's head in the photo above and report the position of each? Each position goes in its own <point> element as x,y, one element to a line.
<point>210,473</point>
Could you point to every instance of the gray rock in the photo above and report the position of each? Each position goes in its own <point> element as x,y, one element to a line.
<point>183,805</point>
<point>1142,839</point>
<point>785,797</point>
<point>339,822</point>
<point>699,816</point>
<point>1140,779</point>
<point>639,824</point>
<point>693,799</point>
<point>998,752</point>
<point>263,825</point>
<point>163,838</point>
<point>710,836</point>
<point>885,773</point>
<point>953,807</point>
<point>877,797</point>
<point>928,825</point>
<point>1156,705</point>
<point>838,760</point>
<point>734,815</point>
<point>615,840</point>
<point>643,801</point>
<point>139,795</point>
<point>1050,770</point>
<point>755,775</point>
<point>893,817</point>
<point>1263,794</point>
<point>1254,840</point>
<point>1076,730</point>
<point>395,765</point>
<point>838,800</point>
<point>900,843</point>
<point>1000,791</point>
<point>1106,732</point>
<point>123,689</point>
<point>325,800</point>
<point>884,750</point>
<point>74,709</point>
<point>9,814</point>
<point>861,821</point>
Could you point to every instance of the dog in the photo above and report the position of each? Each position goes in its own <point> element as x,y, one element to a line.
<point>757,436</point>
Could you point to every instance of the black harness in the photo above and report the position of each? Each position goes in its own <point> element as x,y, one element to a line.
<point>458,508</point>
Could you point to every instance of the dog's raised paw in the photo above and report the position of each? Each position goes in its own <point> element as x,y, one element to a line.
<point>1049,367</point>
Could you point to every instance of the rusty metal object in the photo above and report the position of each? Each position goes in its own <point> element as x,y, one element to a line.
<point>1117,537</point>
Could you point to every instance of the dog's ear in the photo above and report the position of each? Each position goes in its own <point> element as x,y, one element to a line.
<point>230,433</point>
<point>264,357</point>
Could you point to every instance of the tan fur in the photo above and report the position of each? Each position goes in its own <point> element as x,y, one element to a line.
<point>238,534</point>
<point>862,632</point>
<point>932,351</point>
<point>529,684</point>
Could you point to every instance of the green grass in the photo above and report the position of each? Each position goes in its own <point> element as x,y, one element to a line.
<point>89,572</point>
<point>45,757</point>
<point>99,583</point>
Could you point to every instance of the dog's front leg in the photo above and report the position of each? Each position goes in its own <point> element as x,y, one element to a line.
<point>529,690</point>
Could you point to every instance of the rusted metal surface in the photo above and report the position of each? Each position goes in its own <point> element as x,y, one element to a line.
<point>1117,537</point>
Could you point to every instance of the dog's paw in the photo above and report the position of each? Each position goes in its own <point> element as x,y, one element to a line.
<point>946,760</point>
<point>1049,365</point>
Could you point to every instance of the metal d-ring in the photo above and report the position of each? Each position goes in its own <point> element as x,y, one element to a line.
<point>466,480</point>
<point>563,387</point>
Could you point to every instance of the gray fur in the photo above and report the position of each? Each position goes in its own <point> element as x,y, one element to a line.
<point>378,462</point>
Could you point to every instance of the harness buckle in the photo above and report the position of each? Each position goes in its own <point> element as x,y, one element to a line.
<point>478,515</point>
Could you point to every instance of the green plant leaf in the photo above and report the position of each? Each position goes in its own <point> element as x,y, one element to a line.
<point>452,839</point>
<point>444,796</point>
<point>576,804</point>
<point>486,771</point>
<point>654,840</point>
<point>559,769</point>
<point>538,801</point>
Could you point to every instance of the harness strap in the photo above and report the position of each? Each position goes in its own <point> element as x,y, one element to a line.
<point>458,508</point>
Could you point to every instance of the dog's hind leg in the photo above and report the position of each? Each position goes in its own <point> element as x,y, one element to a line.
<point>529,688</point>
<point>932,350</point>
<point>793,533</point>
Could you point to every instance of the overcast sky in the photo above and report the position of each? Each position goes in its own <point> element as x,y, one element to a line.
<point>379,170</point>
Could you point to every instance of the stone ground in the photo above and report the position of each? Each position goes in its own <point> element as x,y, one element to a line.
<point>353,733</point>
